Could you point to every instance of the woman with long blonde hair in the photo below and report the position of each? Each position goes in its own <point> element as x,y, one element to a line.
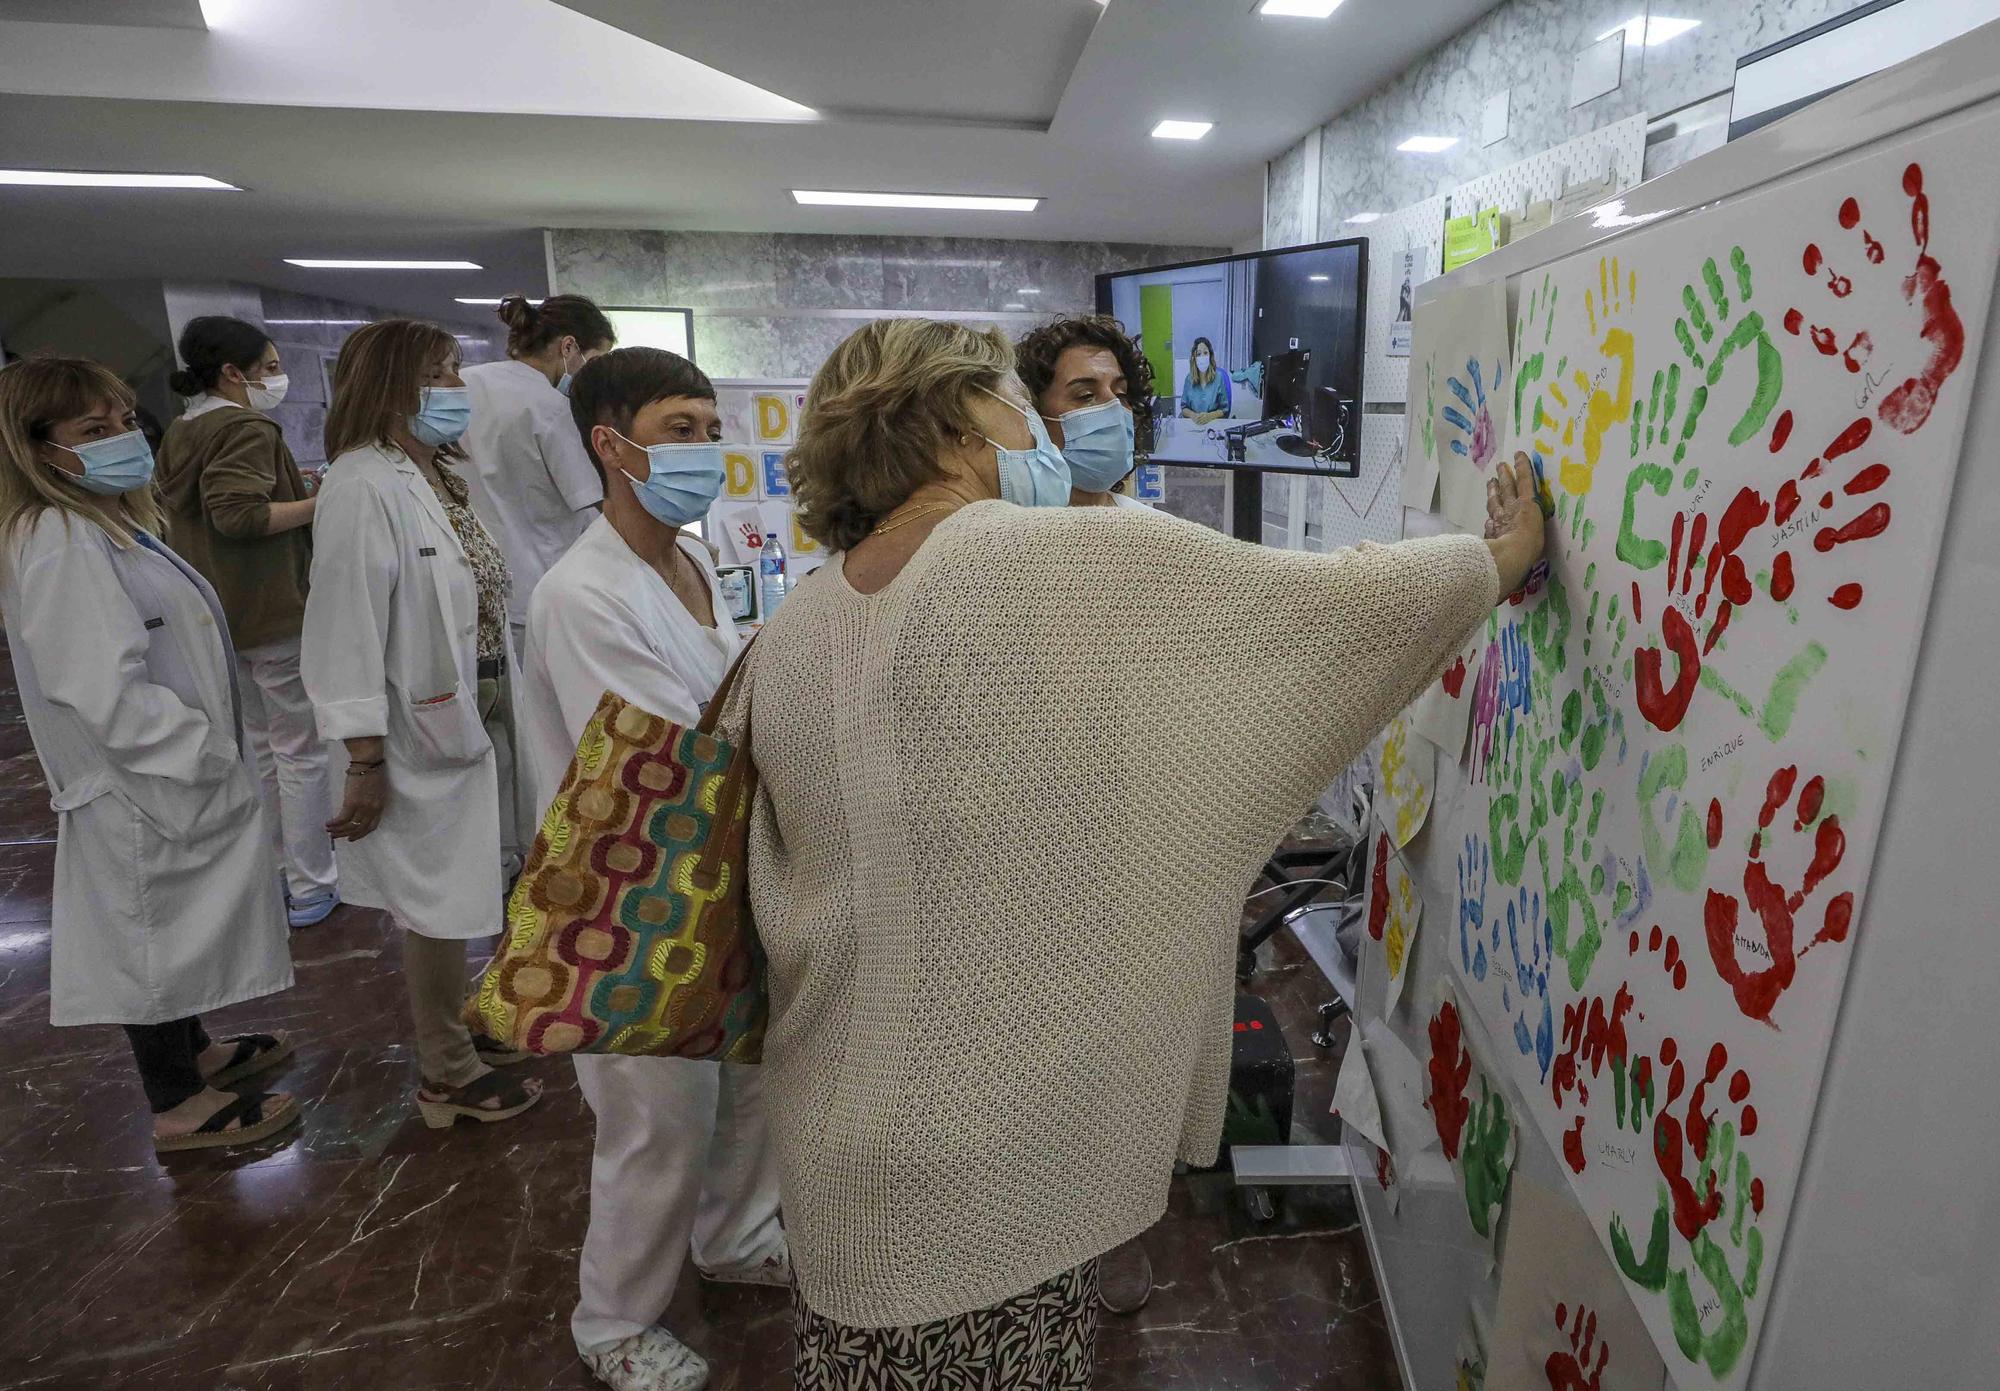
<point>166,892</point>
<point>405,624</point>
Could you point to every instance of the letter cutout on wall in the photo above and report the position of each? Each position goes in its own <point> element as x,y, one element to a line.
<point>1749,416</point>
<point>772,417</point>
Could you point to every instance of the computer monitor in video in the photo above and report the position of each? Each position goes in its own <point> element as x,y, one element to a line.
<point>1256,359</point>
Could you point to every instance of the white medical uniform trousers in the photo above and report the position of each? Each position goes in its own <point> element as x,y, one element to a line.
<point>681,1160</point>
<point>291,763</point>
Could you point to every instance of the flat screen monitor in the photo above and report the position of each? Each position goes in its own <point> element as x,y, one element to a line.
<point>646,327</point>
<point>1256,358</point>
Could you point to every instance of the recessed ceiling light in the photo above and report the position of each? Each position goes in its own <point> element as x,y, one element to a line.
<point>1319,277</point>
<point>1299,9</point>
<point>338,323</point>
<point>1028,290</point>
<point>1649,31</point>
<point>1182,130</point>
<point>463,300</point>
<point>1365,217</point>
<point>1427,144</point>
<point>979,203</point>
<point>77,178</point>
<point>382,265</point>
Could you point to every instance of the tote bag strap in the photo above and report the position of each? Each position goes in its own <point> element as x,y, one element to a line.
<point>737,783</point>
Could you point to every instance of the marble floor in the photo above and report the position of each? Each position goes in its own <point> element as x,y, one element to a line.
<point>366,1251</point>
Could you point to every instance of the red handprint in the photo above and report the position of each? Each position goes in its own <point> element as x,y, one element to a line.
<point>1908,406</point>
<point>1450,1069</point>
<point>1871,521</point>
<point>1571,1370</point>
<point>1666,706</point>
<point>1757,990</point>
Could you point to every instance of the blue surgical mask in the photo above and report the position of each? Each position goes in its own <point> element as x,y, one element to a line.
<point>683,481</point>
<point>443,412</point>
<point>1097,442</point>
<point>116,465</point>
<point>562,382</point>
<point>1037,477</point>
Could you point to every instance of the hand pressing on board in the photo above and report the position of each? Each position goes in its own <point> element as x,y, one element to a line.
<point>1514,522</point>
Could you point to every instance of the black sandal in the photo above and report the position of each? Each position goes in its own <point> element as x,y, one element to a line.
<point>254,1118</point>
<point>494,1053</point>
<point>254,1053</point>
<point>442,1106</point>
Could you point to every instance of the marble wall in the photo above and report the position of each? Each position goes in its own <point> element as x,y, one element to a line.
<point>775,304</point>
<point>1528,46</point>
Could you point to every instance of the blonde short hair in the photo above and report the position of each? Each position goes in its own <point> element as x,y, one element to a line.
<point>36,395</point>
<point>890,400</point>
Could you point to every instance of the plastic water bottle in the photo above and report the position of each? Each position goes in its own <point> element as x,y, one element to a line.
<point>770,575</point>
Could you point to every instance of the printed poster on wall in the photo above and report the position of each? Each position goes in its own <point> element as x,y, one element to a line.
<point>1458,391</point>
<point>1750,416</point>
<point>1400,327</point>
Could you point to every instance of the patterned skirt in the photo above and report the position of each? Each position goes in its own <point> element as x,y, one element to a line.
<point>1044,1340</point>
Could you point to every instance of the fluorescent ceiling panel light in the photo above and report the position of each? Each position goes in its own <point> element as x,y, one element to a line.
<point>1365,217</point>
<point>337,323</point>
<point>1650,32</point>
<point>1182,130</point>
<point>1319,277</point>
<point>308,264</point>
<point>978,203</point>
<point>1299,9</point>
<point>77,178</point>
<point>460,299</point>
<point>1427,144</point>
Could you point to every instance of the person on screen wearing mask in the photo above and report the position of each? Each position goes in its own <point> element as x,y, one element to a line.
<point>240,511</point>
<point>1205,393</point>
<point>166,891</point>
<point>405,624</point>
<point>635,607</point>
<point>1094,389</point>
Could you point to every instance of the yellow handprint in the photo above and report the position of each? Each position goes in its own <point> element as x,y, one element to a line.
<point>1602,405</point>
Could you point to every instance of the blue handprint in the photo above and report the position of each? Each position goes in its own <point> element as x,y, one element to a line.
<point>1532,976</point>
<point>1473,863</point>
<point>1516,671</point>
<point>1475,422</point>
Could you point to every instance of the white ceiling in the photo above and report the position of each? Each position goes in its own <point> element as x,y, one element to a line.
<point>1053,98</point>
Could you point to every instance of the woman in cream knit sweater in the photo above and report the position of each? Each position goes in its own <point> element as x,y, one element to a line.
<point>987,1047</point>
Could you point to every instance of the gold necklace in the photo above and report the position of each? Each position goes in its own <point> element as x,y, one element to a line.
<point>914,513</point>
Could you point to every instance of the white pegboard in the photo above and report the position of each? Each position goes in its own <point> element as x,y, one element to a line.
<point>1421,225</point>
<point>1368,508</point>
<point>1617,150</point>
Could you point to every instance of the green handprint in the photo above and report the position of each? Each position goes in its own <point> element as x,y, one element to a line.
<point>1685,866</point>
<point>1566,890</point>
<point>1430,410</point>
<point>1485,1159</point>
<point>1746,331</point>
<point>1648,1272</point>
<point>1720,1348</point>
<point>1528,367</point>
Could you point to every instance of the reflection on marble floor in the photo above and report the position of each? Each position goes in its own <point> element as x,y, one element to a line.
<point>368,1252</point>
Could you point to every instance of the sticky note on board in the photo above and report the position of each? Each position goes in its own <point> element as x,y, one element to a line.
<point>777,483</point>
<point>771,417</point>
<point>739,473</point>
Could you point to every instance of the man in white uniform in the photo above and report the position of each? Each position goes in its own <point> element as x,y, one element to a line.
<point>635,607</point>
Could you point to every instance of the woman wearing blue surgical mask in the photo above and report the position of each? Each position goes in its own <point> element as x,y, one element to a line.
<point>1205,393</point>
<point>166,890</point>
<point>240,511</point>
<point>1094,389</point>
<point>1000,935</point>
<point>405,627</point>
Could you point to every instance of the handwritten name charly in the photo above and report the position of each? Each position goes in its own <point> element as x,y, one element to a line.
<point>1619,1155</point>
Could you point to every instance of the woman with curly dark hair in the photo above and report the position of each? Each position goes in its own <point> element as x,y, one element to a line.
<point>1094,387</point>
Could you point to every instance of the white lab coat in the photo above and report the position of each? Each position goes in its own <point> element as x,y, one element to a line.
<point>166,892</point>
<point>390,648</point>
<point>603,620</point>
<point>532,481</point>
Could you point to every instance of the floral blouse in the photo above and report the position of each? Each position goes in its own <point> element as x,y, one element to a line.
<point>489,566</point>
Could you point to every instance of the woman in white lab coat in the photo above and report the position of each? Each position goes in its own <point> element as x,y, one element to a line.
<point>407,604</point>
<point>166,894</point>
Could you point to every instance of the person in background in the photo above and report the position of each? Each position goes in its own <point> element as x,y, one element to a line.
<point>534,490</point>
<point>239,511</point>
<point>166,891</point>
<point>1091,385</point>
<point>1205,393</point>
<point>1094,390</point>
<point>406,619</point>
<point>636,608</point>
<point>1001,946</point>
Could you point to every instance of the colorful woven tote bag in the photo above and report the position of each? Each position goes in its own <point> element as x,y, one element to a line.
<point>630,931</point>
